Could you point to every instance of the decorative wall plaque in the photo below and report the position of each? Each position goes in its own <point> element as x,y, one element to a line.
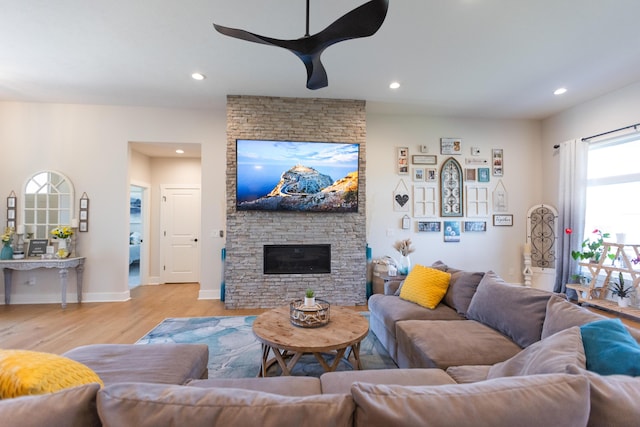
<point>451,188</point>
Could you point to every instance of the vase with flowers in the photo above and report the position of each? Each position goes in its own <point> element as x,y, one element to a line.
<point>592,247</point>
<point>7,238</point>
<point>404,247</point>
<point>63,235</point>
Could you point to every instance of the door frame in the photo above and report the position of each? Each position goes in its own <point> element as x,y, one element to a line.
<point>163,218</point>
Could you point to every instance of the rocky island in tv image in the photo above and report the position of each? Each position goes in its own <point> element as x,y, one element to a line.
<point>297,176</point>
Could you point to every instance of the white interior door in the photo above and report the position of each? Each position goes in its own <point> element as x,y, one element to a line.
<point>180,221</point>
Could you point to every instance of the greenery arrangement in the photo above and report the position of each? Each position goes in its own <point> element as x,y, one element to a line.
<point>592,247</point>
<point>309,293</point>
<point>618,288</point>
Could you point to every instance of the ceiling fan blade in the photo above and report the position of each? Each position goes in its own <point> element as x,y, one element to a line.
<point>363,21</point>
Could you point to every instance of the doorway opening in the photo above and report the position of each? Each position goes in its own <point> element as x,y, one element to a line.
<point>136,234</point>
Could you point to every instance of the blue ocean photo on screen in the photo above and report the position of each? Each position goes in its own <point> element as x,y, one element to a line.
<point>264,165</point>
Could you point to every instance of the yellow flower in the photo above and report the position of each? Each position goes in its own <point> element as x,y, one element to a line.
<point>62,232</point>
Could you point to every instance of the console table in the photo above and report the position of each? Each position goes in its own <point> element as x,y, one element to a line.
<point>30,264</point>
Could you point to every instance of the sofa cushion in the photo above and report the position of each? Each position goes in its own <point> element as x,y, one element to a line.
<point>340,382</point>
<point>610,349</point>
<point>551,355</point>
<point>614,399</point>
<point>425,286</point>
<point>563,314</point>
<point>444,343</point>
<point>518,401</point>
<point>286,386</point>
<point>516,311</point>
<point>462,287</point>
<point>71,407</point>
<point>149,363</point>
<point>152,405</point>
<point>24,372</point>
<point>468,373</point>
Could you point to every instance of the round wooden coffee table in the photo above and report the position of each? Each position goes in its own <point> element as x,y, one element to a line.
<point>346,329</point>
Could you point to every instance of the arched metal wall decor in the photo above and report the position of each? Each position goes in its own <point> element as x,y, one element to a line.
<point>451,203</point>
<point>542,234</point>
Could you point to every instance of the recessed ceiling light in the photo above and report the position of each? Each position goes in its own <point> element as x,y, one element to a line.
<point>394,85</point>
<point>179,151</point>
<point>559,91</point>
<point>198,76</point>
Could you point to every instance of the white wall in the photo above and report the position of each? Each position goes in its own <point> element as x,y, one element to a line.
<point>612,111</point>
<point>90,145</point>
<point>499,248</point>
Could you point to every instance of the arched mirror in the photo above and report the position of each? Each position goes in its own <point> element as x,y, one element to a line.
<point>48,203</point>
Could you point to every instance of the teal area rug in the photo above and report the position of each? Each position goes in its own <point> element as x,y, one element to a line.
<point>234,352</point>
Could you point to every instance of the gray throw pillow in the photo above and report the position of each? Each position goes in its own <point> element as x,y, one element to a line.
<point>562,314</point>
<point>514,310</point>
<point>552,355</point>
<point>462,287</point>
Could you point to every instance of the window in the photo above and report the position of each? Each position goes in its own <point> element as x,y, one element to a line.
<point>613,188</point>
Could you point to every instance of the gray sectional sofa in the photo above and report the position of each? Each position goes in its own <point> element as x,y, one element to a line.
<point>491,354</point>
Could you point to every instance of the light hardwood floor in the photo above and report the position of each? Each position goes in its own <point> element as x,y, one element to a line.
<point>50,328</point>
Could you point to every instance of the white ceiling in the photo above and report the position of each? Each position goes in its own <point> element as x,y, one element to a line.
<point>473,58</point>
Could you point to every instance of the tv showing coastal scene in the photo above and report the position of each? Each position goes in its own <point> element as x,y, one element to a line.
<point>296,176</point>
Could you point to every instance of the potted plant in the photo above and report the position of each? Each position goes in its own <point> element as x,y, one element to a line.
<point>309,298</point>
<point>592,247</point>
<point>621,291</point>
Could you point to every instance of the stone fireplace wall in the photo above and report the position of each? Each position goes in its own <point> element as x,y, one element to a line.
<point>294,119</point>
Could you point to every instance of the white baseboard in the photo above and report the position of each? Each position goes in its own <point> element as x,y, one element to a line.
<point>209,294</point>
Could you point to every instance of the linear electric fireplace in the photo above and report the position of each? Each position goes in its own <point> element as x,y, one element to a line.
<point>297,259</point>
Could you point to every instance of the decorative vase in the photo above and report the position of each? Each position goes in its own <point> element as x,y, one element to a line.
<point>7,251</point>
<point>63,247</point>
<point>404,266</point>
<point>309,302</point>
<point>623,302</point>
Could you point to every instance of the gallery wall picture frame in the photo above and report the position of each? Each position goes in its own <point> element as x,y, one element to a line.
<point>429,226</point>
<point>406,222</point>
<point>475,226</point>
<point>425,203</point>
<point>12,204</point>
<point>477,201</point>
<point>424,159</point>
<point>418,174</point>
<point>451,195</point>
<point>484,174</point>
<point>497,161</point>
<point>402,160</point>
<point>500,198</point>
<point>401,197</point>
<point>83,213</point>
<point>451,231</point>
<point>431,175</point>
<point>470,174</point>
<point>450,146</point>
<point>503,220</point>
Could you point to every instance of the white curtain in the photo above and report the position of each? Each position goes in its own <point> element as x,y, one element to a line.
<point>572,194</point>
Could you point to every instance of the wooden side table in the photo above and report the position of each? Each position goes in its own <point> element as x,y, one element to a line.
<point>63,265</point>
<point>346,329</point>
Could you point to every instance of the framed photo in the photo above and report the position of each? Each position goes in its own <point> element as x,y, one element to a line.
<point>429,226</point>
<point>483,174</point>
<point>450,146</point>
<point>84,204</point>
<point>497,161</point>
<point>452,231</point>
<point>84,215</point>
<point>424,159</point>
<point>11,223</point>
<point>403,160</point>
<point>83,226</point>
<point>11,202</point>
<point>431,175</point>
<point>470,174</point>
<point>11,214</point>
<point>418,174</point>
<point>503,220</point>
<point>37,247</point>
<point>473,226</point>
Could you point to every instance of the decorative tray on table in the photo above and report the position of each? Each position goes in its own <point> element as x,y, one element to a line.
<point>312,316</point>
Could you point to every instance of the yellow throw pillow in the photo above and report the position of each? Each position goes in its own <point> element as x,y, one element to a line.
<point>24,372</point>
<point>425,286</point>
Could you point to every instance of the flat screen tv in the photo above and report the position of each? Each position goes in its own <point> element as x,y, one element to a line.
<point>296,176</point>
